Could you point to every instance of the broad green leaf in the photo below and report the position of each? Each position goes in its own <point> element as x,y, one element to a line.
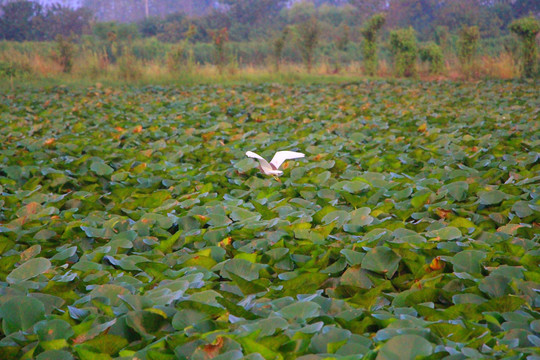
<point>405,347</point>
<point>20,313</point>
<point>53,329</point>
<point>107,343</point>
<point>495,285</point>
<point>101,168</point>
<point>55,355</point>
<point>300,310</point>
<point>457,190</point>
<point>353,257</point>
<point>522,209</point>
<point>445,233</point>
<point>85,353</point>
<point>356,277</point>
<point>29,270</point>
<point>247,287</point>
<point>145,323</point>
<point>267,327</point>
<point>381,260</point>
<point>468,261</point>
<point>305,283</point>
<point>243,268</point>
<point>236,310</point>
<point>186,318</point>
<point>491,197</point>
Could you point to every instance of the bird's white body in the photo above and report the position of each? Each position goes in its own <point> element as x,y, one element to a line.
<point>271,168</point>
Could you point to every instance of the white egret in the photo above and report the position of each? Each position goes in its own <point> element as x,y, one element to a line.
<point>271,168</point>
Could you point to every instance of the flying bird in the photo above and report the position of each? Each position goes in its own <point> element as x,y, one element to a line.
<point>271,168</point>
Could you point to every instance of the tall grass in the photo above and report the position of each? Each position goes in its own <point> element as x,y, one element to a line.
<point>149,62</point>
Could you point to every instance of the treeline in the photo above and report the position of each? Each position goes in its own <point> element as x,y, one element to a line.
<point>248,20</point>
<point>434,36</point>
<point>29,21</point>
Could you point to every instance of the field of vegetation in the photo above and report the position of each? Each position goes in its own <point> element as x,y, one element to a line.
<point>132,226</point>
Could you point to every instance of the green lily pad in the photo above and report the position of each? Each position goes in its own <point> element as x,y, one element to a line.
<point>300,310</point>
<point>29,270</point>
<point>381,260</point>
<point>101,168</point>
<point>491,197</point>
<point>20,313</point>
<point>47,330</point>
<point>55,355</point>
<point>405,347</point>
<point>468,261</point>
<point>457,190</point>
<point>446,233</point>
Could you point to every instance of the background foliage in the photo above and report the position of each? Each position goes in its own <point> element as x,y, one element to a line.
<point>252,27</point>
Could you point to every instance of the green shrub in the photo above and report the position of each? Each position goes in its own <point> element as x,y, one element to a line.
<point>432,53</point>
<point>16,69</point>
<point>527,28</point>
<point>341,43</point>
<point>181,55</point>
<point>128,67</point>
<point>65,53</point>
<point>220,39</point>
<point>150,49</point>
<point>442,37</point>
<point>279,44</point>
<point>404,51</point>
<point>467,47</point>
<point>369,48</point>
<point>122,31</point>
<point>308,38</point>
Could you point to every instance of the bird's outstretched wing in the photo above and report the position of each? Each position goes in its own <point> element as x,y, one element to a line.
<point>265,166</point>
<point>281,156</point>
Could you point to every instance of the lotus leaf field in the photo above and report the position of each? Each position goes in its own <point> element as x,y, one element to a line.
<point>133,226</point>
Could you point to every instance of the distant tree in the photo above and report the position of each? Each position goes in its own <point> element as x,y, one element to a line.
<point>341,41</point>
<point>368,8</point>
<point>253,11</point>
<point>249,16</point>
<point>467,47</point>
<point>459,13</point>
<point>279,44</point>
<point>432,53</point>
<point>527,28</point>
<point>338,15</point>
<point>343,37</point>
<point>181,55</point>
<point>220,39</point>
<point>300,12</point>
<point>524,7</point>
<point>171,32</point>
<point>65,52</point>
<point>121,31</point>
<point>404,51</point>
<point>150,26</point>
<point>420,14</point>
<point>442,38</point>
<point>173,28</point>
<point>329,2</point>
<point>19,19</point>
<point>117,10</point>
<point>308,38</point>
<point>65,21</point>
<point>369,46</point>
<point>213,20</point>
<point>113,37</point>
